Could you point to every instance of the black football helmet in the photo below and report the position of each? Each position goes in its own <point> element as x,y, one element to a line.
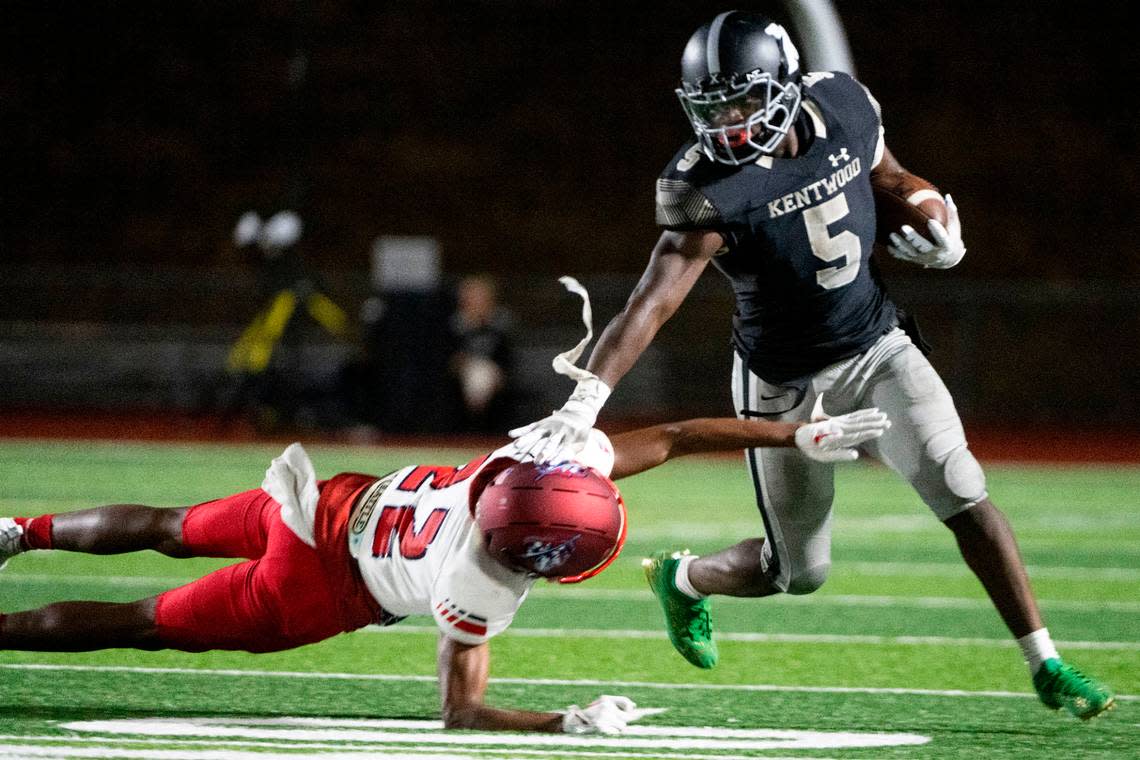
<point>740,86</point>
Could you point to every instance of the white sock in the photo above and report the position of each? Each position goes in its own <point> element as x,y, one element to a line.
<point>681,579</point>
<point>1037,647</point>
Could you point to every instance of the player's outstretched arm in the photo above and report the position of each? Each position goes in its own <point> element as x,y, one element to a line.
<point>677,261</point>
<point>645,448</point>
<point>463,673</point>
<point>825,439</point>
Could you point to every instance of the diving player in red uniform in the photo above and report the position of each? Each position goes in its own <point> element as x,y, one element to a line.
<point>775,192</point>
<point>324,557</point>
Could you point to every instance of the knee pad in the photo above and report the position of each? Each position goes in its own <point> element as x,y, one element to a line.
<point>953,485</point>
<point>808,580</point>
<point>964,476</point>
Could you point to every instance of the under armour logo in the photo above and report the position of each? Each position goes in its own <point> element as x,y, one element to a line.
<point>842,155</point>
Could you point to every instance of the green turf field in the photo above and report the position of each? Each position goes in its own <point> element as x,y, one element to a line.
<point>899,655</point>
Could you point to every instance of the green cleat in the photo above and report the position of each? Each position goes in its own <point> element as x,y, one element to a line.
<point>1060,685</point>
<point>687,620</point>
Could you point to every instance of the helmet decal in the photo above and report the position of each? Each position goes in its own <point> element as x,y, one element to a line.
<point>786,46</point>
<point>712,54</point>
<point>571,469</point>
<point>546,557</point>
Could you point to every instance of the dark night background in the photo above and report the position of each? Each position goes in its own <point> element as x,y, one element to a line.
<point>526,136</point>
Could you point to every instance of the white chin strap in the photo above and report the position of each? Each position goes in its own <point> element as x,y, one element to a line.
<point>564,362</point>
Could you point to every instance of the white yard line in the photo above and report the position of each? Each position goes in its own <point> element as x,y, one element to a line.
<point>644,595</point>
<point>431,733</point>
<point>959,569</point>
<point>114,581</point>
<point>32,752</point>
<point>844,600</point>
<point>388,752</point>
<point>235,673</point>
<point>788,638</point>
<point>215,738</point>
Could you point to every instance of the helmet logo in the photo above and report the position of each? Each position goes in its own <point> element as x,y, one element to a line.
<point>572,469</point>
<point>547,556</point>
<point>790,52</point>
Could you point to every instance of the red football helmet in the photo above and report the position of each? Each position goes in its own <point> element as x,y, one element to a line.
<point>561,521</point>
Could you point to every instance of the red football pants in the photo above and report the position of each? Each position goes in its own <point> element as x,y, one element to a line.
<point>288,594</point>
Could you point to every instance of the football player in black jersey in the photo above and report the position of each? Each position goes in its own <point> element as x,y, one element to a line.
<point>775,192</point>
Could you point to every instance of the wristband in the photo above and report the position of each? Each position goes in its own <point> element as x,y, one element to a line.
<point>591,392</point>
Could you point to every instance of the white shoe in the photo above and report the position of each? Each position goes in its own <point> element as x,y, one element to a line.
<point>10,543</point>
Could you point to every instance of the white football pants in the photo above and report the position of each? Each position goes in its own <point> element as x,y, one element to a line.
<point>926,445</point>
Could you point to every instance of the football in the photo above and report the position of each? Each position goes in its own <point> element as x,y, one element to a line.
<point>905,199</point>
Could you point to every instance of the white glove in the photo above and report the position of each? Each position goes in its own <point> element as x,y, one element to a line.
<point>946,250</point>
<point>605,715</point>
<point>562,433</point>
<point>833,439</point>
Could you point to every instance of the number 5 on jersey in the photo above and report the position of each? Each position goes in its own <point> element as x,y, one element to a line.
<point>830,248</point>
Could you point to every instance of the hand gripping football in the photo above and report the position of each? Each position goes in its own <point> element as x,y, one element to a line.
<point>905,199</point>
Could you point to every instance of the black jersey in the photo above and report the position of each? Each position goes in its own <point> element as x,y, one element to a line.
<point>798,235</point>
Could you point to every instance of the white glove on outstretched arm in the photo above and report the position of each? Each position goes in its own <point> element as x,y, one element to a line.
<point>565,429</point>
<point>563,432</point>
<point>605,715</point>
<point>944,250</point>
<point>833,439</point>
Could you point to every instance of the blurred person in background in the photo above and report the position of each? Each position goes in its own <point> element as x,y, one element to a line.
<point>483,358</point>
<point>266,378</point>
<point>776,192</point>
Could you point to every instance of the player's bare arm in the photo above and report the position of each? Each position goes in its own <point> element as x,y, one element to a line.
<point>889,174</point>
<point>676,263</point>
<point>888,167</point>
<point>933,236</point>
<point>674,266</point>
<point>463,672</point>
<point>827,439</point>
<point>646,448</point>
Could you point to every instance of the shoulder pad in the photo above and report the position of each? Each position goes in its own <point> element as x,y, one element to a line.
<point>837,83</point>
<point>850,101</point>
<point>682,206</point>
<point>874,102</point>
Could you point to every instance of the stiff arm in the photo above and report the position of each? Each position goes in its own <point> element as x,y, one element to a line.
<point>677,261</point>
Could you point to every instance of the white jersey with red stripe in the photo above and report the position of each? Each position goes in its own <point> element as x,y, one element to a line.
<point>420,552</point>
